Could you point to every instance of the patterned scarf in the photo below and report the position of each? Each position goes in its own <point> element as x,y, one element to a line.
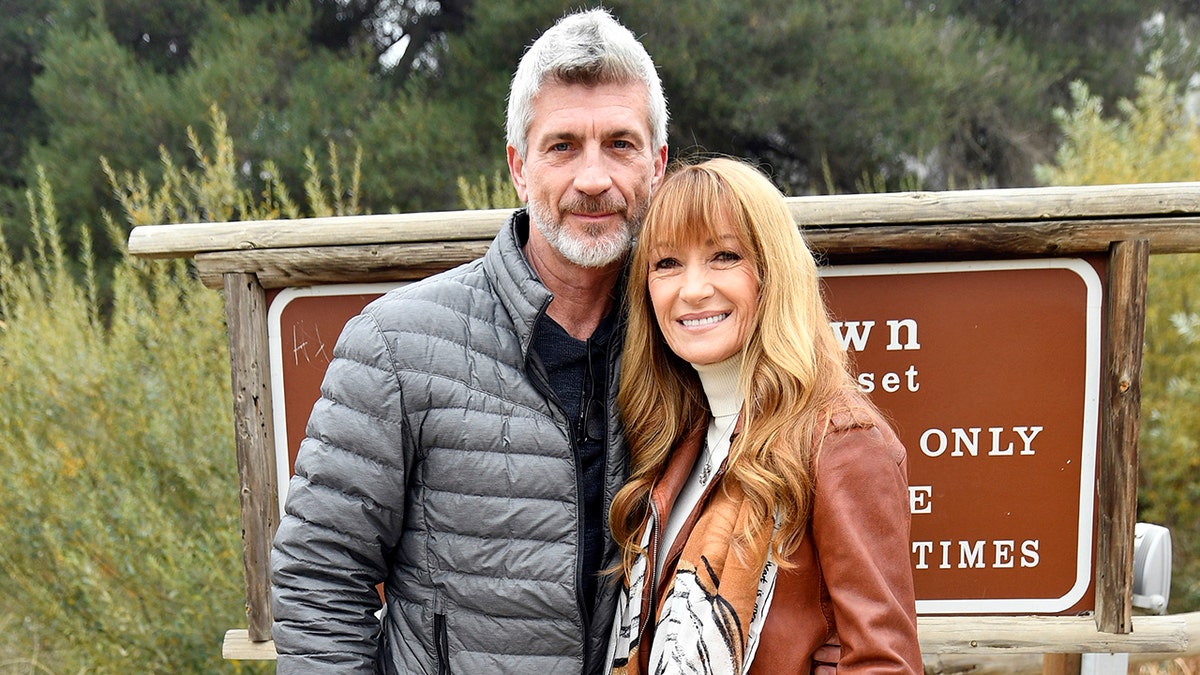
<point>712,611</point>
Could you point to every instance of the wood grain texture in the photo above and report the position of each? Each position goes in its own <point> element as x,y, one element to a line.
<point>246,320</point>
<point>289,267</point>
<point>977,640</point>
<point>1026,220</point>
<point>1128,270</point>
<point>186,240</point>
<point>355,263</point>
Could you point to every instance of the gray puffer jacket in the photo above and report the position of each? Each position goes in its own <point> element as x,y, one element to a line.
<point>439,463</point>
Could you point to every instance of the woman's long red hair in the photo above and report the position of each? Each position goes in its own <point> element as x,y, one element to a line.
<point>793,369</point>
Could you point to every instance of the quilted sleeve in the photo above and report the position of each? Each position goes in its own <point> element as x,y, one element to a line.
<point>343,512</point>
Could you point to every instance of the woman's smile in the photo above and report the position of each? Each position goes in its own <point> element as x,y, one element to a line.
<point>705,296</point>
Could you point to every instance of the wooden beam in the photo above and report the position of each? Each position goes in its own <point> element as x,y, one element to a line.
<point>955,241</point>
<point>1055,207</point>
<point>238,646</point>
<point>1000,204</point>
<point>186,240</point>
<point>1061,664</point>
<point>246,319</point>
<point>947,663</point>
<point>1046,635</point>
<point>1128,270</point>
<point>282,268</point>
<point>975,637</point>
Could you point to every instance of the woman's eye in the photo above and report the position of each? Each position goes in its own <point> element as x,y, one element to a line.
<point>727,257</point>
<point>665,264</point>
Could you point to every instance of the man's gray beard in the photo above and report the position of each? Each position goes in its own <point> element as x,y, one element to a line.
<point>582,250</point>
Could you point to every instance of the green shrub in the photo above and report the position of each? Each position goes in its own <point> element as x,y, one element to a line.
<point>119,544</point>
<point>120,541</point>
<point>1154,139</point>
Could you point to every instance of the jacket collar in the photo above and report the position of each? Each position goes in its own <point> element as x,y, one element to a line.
<point>679,468</point>
<point>523,296</point>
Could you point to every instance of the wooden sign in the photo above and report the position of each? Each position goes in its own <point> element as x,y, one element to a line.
<point>1122,225</point>
<point>303,324</point>
<point>989,370</point>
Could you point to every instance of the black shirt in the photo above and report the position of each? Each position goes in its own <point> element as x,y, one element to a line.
<point>578,373</point>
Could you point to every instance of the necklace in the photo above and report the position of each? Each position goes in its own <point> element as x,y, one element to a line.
<point>706,470</point>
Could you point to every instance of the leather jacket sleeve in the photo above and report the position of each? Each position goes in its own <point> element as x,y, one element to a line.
<point>860,527</point>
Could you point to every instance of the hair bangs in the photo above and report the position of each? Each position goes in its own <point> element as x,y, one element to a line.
<point>695,206</point>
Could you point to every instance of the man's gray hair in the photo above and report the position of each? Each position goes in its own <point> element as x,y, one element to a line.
<point>588,48</point>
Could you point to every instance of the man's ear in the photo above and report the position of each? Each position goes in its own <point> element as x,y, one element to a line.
<point>516,172</point>
<point>660,167</point>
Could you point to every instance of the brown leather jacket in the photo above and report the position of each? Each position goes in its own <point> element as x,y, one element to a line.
<point>852,576</point>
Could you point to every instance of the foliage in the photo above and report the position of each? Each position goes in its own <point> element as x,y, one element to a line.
<point>157,33</point>
<point>102,99</point>
<point>119,546</point>
<point>20,122</point>
<point>1154,138</point>
<point>279,91</point>
<point>413,27</point>
<point>938,94</point>
<point>1102,42</point>
<point>1079,40</point>
<point>498,193</point>
<point>869,87</point>
<point>121,505</point>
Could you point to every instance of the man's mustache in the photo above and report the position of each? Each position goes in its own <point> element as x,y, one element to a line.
<point>587,206</point>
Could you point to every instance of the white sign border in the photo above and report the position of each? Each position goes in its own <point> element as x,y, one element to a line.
<point>283,470</point>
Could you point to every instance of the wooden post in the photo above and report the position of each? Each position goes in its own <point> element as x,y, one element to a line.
<point>246,320</point>
<point>1061,664</point>
<point>1128,268</point>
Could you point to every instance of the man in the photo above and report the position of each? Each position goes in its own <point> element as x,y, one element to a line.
<point>465,447</point>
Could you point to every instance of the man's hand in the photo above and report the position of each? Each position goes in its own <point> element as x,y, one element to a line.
<point>826,657</point>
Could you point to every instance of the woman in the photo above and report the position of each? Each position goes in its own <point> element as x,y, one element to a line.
<point>766,510</point>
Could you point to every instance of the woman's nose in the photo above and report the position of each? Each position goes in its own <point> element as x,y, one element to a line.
<point>696,284</point>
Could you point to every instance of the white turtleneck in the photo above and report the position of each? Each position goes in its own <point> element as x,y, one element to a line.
<point>720,383</point>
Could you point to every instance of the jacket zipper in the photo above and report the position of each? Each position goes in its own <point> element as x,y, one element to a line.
<point>648,612</point>
<point>543,385</point>
<point>580,601</point>
<point>441,643</point>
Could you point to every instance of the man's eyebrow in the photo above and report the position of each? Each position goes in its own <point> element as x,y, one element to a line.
<point>567,135</point>
<point>554,137</point>
<point>623,132</point>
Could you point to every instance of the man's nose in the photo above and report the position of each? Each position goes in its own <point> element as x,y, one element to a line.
<point>593,177</point>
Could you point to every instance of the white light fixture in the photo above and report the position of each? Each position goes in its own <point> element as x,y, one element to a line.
<point>1151,567</point>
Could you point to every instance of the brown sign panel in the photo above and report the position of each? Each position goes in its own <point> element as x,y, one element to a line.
<point>302,326</point>
<point>989,371</point>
